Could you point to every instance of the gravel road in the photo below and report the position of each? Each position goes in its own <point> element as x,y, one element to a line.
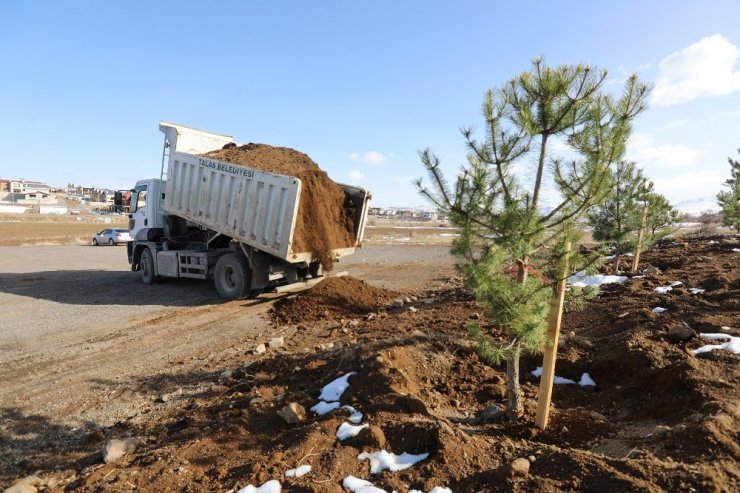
<point>84,341</point>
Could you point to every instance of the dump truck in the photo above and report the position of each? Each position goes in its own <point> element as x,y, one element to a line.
<point>210,219</point>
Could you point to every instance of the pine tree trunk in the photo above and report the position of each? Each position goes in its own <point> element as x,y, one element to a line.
<point>514,405</point>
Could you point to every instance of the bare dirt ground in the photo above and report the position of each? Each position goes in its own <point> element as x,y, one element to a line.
<point>659,419</point>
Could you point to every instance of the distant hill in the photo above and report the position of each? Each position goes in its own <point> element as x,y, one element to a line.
<point>698,205</point>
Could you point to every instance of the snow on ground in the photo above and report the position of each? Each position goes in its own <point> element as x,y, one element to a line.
<point>347,430</point>
<point>581,280</point>
<point>329,398</point>
<point>325,407</point>
<point>357,485</point>
<point>380,461</point>
<point>272,486</point>
<point>298,471</point>
<point>663,289</point>
<point>696,290</point>
<point>736,249</point>
<point>334,390</point>
<point>658,309</point>
<point>586,380</point>
<point>732,344</point>
<point>355,416</point>
<point>436,489</point>
<point>676,283</point>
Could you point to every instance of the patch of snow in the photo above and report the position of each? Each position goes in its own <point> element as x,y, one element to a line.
<point>325,407</point>
<point>581,280</point>
<point>334,390</point>
<point>355,416</point>
<point>696,290</point>
<point>357,485</point>
<point>663,289</point>
<point>713,242</point>
<point>586,381</point>
<point>562,381</point>
<point>736,249</point>
<point>272,486</point>
<point>347,430</point>
<point>610,257</point>
<point>732,344</point>
<point>558,380</point>
<point>298,471</point>
<point>638,277</point>
<point>658,309</point>
<point>676,283</point>
<point>380,461</point>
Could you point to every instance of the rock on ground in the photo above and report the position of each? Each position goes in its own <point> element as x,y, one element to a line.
<point>117,448</point>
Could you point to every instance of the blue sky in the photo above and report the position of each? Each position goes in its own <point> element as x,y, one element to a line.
<point>360,87</point>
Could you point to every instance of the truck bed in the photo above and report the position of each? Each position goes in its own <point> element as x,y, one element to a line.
<point>252,206</point>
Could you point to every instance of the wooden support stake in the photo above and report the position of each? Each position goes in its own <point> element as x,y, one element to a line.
<point>551,345</point>
<point>640,236</point>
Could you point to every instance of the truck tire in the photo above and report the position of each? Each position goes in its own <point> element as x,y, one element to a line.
<point>314,268</point>
<point>146,267</point>
<point>232,277</point>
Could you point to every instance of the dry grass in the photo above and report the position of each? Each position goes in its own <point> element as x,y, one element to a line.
<point>33,229</point>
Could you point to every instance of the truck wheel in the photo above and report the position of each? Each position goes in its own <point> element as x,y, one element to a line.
<point>314,268</point>
<point>146,267</point>
<point>232,277</point>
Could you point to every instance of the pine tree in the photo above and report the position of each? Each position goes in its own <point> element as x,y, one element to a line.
<point>729,201</point>
<point>661,216</point>
<point>508,245</point>
<point>617,219</point>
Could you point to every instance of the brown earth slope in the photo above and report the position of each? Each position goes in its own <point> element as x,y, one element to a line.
<point>659,419</point>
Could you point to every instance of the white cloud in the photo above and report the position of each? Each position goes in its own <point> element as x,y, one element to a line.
<point>729,114</point>
<point>705,68</point>
<point>356,174</point>
<point>373,158</point>
<point>687,186</point>
<point>641,148</point>
<point>677,123</point>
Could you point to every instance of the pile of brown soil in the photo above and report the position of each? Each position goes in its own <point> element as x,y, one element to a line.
<point>333,299</point>
<point>325,219</point>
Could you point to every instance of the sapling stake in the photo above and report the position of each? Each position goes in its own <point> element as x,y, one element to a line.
<point>551,343</point>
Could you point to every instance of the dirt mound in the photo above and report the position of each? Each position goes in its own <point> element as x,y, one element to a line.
<point>325,218</point>
<point>332,299</point>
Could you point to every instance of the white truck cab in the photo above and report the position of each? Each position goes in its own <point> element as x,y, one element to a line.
<point>147,199</point>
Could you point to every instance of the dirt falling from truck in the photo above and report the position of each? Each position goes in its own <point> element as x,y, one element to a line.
<point>325,216</point>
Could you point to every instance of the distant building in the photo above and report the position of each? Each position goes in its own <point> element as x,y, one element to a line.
<point>29,187</point>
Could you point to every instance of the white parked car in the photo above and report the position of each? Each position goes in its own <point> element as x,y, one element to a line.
<point>112,236</point>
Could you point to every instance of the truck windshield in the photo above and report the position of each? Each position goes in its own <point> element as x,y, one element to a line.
<point>138,199</point>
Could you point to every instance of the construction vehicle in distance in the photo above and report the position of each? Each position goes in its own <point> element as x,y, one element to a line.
<point>210,219</point>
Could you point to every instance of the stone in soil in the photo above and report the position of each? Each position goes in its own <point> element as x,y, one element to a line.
<point>117,448</point>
